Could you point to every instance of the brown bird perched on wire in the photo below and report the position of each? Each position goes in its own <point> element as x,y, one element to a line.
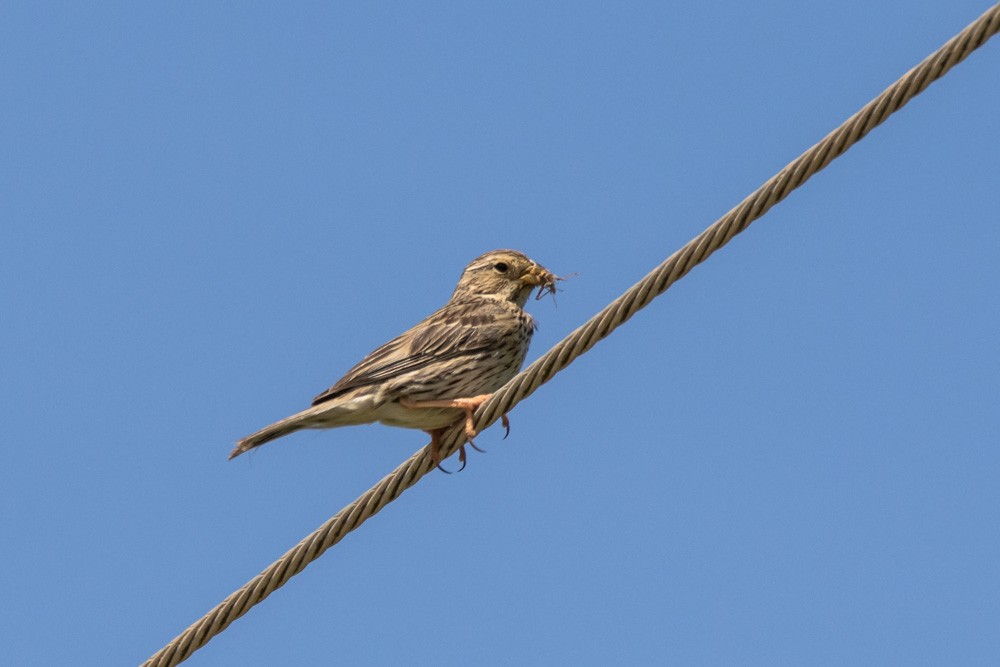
<point>441,370</point>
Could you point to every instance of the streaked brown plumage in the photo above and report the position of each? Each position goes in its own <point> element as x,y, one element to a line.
<point>438,372</point>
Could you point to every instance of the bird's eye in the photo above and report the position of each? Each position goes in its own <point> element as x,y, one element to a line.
<point>501,267</point>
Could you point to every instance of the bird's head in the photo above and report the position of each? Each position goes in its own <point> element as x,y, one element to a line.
<point>505,274</point>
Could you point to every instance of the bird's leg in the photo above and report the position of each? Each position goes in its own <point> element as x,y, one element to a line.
<point>469,405</point>
<point>435,445</point>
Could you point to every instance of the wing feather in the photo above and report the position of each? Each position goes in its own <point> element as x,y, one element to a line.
<point>453,331</point>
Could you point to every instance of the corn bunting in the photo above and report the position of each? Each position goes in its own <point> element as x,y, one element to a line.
<point>442,369</point>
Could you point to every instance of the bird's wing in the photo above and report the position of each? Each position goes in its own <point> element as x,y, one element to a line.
<point>453,331</point>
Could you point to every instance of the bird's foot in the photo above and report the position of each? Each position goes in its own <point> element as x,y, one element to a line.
<point>469,405</point>
<point>435,446</point>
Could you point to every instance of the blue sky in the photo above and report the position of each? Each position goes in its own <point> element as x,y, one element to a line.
<point>210,212</point>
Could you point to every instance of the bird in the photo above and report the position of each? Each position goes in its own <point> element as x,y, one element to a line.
<point>438,372</point>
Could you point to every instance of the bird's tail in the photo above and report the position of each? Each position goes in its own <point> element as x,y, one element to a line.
<point>325,415</point>
<point>269,433</point>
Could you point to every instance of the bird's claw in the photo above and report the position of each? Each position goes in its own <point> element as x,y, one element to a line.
<point>470,432</point>
<point>435,446</point>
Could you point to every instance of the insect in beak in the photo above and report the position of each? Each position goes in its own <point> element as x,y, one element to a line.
<point>546,280</point>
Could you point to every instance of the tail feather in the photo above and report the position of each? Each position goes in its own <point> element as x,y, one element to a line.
<point>324,415</point>
<point>267,434</point>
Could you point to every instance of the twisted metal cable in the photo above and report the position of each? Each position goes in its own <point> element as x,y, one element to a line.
<point>598,327</point>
